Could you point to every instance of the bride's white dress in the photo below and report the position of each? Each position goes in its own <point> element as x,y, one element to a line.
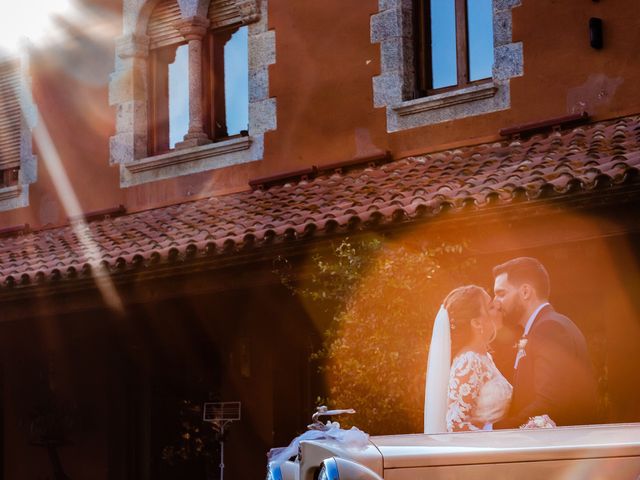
<point>478,393</point>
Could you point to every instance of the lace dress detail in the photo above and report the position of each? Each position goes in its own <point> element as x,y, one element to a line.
<point>478,392</point>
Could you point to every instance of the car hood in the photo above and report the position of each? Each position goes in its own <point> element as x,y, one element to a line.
<point>422,450</point>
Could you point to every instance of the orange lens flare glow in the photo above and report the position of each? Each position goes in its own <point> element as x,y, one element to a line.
<point>375,353</point>
<point>30,21</point>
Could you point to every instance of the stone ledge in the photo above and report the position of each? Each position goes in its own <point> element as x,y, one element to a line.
<point>446,99</point>
<point>15,196</point>
<point>8,193</point>
<point>180,157</point>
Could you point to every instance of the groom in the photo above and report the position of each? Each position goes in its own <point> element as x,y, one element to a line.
<point>553,373</point>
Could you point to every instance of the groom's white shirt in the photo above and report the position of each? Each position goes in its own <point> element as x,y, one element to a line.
<point>528,326</point>
<point>532,318</point>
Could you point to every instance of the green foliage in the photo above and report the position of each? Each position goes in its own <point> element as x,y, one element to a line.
<point>196,439</point>
<point>382,298</point>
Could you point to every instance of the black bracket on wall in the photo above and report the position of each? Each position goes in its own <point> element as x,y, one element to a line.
<point>595,33</point>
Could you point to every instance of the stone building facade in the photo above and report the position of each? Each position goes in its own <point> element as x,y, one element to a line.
<point>137,281</point>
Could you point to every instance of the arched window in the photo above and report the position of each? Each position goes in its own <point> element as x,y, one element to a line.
<point>191,87</point>
<point>223,74</point>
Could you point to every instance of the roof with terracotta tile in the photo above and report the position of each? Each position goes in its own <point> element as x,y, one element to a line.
<point>559,164</point>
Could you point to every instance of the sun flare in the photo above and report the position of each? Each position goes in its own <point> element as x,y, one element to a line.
<point>31,21</point>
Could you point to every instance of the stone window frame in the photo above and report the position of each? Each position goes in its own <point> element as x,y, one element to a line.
<point>17,195</point>
<point>128,94</point>
<point>392,28</point>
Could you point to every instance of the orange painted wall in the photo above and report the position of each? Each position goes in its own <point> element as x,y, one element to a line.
<point>325,114</point>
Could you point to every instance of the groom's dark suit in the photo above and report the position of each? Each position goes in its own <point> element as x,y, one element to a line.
<point>555,376</point>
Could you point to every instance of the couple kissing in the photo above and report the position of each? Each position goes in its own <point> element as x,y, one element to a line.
<point>553,380</point>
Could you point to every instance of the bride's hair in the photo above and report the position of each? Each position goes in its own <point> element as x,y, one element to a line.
<point>463,305</point>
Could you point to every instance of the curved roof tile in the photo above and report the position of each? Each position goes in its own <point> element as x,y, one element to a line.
<point>588,158</point>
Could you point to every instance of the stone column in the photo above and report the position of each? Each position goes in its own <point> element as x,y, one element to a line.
<point>128,93</point>
<point>193,29</point>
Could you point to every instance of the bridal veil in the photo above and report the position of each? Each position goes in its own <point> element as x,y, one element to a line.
<point>437,383</point>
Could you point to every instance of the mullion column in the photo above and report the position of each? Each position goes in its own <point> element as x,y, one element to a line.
<point>462,51</point>
<point>193,30</point>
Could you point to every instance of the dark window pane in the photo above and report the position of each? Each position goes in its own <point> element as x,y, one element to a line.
<point>179,96</point>
<point>443,43</point>
<point>480,38</point>
<point>236,76</point>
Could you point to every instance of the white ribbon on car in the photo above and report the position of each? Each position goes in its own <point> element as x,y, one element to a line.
<point>352,438</point>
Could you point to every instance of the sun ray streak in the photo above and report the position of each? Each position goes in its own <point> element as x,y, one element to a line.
<point>66,194</point>
<point>32,20</point>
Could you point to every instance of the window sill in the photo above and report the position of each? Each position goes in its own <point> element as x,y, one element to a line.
<point>15,196</point>
<point>185,156</point>
<point>8,193</point>
<point>179,162</point>
<point>446,99</point>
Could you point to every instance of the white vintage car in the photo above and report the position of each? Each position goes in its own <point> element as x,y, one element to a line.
<point>584,452</point>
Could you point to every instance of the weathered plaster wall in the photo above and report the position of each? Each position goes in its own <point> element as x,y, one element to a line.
<point>322,80</point>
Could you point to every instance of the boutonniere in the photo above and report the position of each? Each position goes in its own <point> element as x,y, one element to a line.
<point>522,343</point>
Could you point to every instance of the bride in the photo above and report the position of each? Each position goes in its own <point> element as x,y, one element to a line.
<point>468,392</point>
